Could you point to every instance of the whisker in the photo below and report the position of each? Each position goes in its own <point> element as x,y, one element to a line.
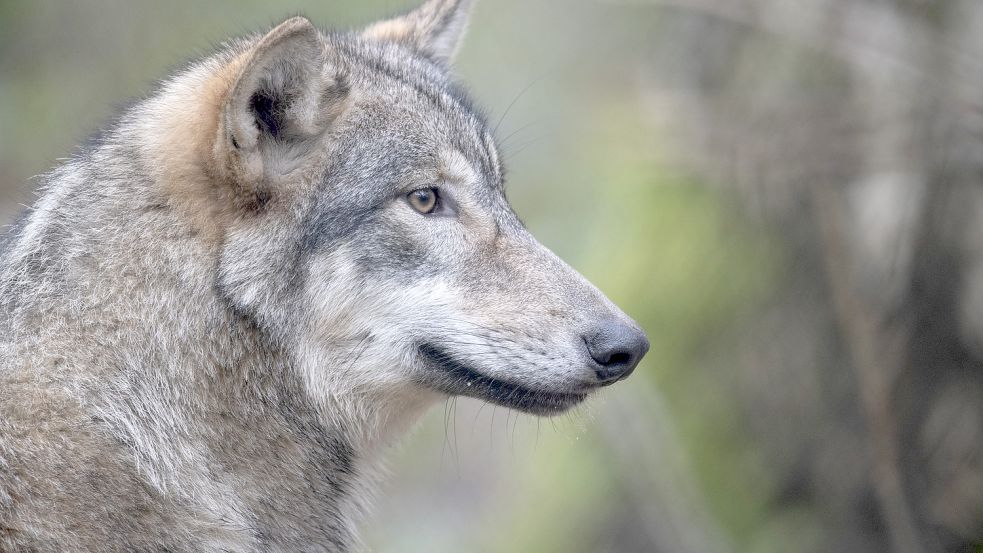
<point>512,103</point>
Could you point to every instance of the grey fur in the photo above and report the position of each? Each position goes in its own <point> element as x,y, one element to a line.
<point>216,320</point>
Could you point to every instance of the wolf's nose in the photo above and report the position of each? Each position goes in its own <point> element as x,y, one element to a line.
<point>616,349</point>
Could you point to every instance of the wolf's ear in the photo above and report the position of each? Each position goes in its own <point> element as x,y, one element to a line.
<point>435,28</point>
<point>282,93</point>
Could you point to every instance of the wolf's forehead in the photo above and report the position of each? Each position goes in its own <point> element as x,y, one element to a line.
<point>453,133</point>
<point>416,95</point>
<point>401,136</point>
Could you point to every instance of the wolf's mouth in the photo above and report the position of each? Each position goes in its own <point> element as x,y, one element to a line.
<point>454,377</point>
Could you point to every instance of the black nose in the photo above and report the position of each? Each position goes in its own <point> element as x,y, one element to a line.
<point>616,349</point>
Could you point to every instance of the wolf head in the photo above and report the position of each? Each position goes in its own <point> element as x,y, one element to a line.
<point>363,223</point>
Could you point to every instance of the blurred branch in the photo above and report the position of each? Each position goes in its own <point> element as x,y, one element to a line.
<point>876,353</point>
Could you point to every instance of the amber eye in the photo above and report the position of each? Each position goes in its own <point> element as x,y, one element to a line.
<point>424,200</point>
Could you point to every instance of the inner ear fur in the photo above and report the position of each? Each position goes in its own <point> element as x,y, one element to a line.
<point>282,92</point>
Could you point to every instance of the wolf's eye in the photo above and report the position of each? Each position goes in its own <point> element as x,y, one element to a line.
<point>424,200</point>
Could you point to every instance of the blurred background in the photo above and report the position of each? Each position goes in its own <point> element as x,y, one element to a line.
<point>785,194</point>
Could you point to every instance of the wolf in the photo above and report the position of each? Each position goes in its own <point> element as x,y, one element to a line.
<point>218,317</point>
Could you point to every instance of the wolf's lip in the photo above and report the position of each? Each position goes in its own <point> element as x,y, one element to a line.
<point>453,377</point>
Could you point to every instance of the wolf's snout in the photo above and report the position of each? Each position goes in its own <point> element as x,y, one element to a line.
<point>616,349</point>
